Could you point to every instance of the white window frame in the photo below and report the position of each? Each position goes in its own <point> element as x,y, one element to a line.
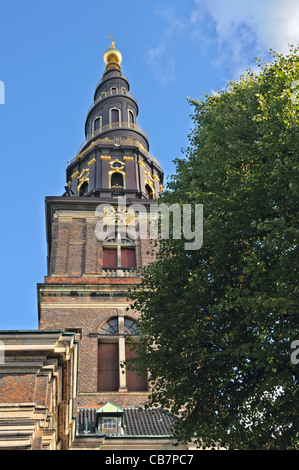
<point>130,111</point>
<point>100,118</point>
<point>110,115</point>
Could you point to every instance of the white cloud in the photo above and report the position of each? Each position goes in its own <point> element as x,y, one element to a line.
<point>234,30</point>
<point>244,29</point>
<point>161,63</point>
<point>283,26</point>
<point>274,23</point>
<point>162,68</point>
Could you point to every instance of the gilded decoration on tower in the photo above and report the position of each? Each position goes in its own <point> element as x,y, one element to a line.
<point>112,57</point>
<point>122,216</point>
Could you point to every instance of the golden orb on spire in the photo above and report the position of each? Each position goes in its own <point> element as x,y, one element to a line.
<point>113,57</point>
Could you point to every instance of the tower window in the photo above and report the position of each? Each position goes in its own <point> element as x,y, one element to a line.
<point>119,253</point>
<point>83,190</point>
<point>149,191</point>
<point>117,181</point>
<point>97,123</point>
<point>131,117</point>
<point>114,114</point>
<point>112,351</point>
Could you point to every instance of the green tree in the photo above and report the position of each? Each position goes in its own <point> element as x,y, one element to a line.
<point>218,322</point>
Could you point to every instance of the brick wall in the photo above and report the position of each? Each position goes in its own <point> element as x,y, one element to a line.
<point>87,322</point>
<point>95,400</point>
<point>78,295</point>
<point>17,388</point>
<point>76,251</point>
<point>37,390</point>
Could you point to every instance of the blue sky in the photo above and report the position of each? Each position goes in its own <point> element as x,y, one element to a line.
<point>51,58</point>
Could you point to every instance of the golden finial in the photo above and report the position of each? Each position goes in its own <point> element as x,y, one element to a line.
<point>112,57</point>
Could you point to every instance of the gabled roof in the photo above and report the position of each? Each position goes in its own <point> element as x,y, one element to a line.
<point>110,408</point>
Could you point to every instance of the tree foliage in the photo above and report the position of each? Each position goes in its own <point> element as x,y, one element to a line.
<point>218,322</point>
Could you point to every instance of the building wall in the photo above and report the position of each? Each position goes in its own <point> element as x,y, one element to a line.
<point>76,251</point>
<point>38,386</point>
<point>79,295</point>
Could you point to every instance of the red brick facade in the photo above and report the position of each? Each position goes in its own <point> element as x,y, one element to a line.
<point>79,295</point>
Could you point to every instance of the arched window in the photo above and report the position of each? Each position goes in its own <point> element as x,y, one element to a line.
<point>117,181</point>
<point>110,328</point>
<point>149,191</point>
<point>131,117</point>
<point>114,115</point>
<point>130,326</point>
<point>112,351</point>
<point>97,123</point>
<point>83,189</point>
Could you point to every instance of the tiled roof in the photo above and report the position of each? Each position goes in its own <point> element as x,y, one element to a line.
<point>136,422</point>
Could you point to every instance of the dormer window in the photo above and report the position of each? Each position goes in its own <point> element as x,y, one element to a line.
<point>110,419</point>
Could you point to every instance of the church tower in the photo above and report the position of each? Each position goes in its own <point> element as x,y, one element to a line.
<point>95,253</point>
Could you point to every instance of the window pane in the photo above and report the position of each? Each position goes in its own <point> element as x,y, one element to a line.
<point>110,328</point>
<point>130,327</point>
<point>109,424</point>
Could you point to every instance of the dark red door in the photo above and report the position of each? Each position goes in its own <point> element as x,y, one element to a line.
<point>108,367</point>
<point>135,382</point>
